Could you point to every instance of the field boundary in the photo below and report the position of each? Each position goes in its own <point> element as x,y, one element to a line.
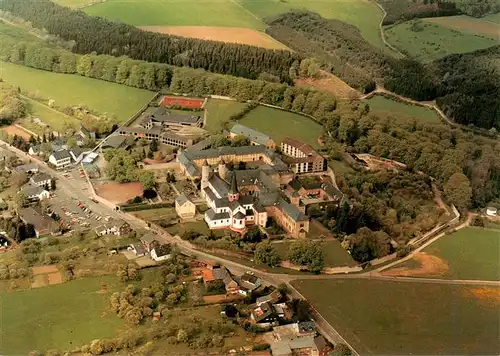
<point>382,33</point>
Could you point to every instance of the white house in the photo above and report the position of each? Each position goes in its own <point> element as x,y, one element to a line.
<point>61,159</point>
<point>35,192</point>
<point>161,252</point>
<point>41,180</point>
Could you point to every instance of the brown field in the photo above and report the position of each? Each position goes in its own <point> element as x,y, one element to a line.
<point>46,275</point>
<point>485,295</point>
<point>224,34</point>
<point>119,193</point>
<point>14,130</point>
<point>468,24</point>
<point>330,83</point>
<point>44,270</point>
<point>55,278</point>
<point>429,266</point>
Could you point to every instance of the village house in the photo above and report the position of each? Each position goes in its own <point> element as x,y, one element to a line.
<point>60,159</point>
<point>304,346</point>
<point>149,240</point>
<point>43,224</point>
<point>213,274</point>
<point>273,297</point>
<point>255,137</point>
<point>249,282</point>
<point>161,252</point>
<point>137,249</point>
<point>164,118</point>
<point>35,193</point>
<point>302,158</point>
<point>184,207</point>
<point>29,168</point>
<point>264,315</point>
<point>41,180</point>
<point>77,154</point>
<point>114,227</point>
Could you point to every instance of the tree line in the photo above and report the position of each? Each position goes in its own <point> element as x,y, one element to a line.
<point>96,34</point>
<point>465,86</point>
<point>404,10</point>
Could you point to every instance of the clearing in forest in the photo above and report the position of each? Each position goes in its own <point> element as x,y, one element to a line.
<point>468,24</point>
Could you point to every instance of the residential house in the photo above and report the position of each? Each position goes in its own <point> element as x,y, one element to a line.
<point>148,241</point>
<point>35,193</point>
<point>60,159</point>
<point>114,227</point>
<point>43,224</point>
<point>255,137</point>
<point>41,180</point>
<point>161,252</point>
<point>307,328</point>
<point>29,168</point>
<point>263,315</point>
<point>184,207</point>
<point>249,282</point>
<point>302,158</point>
<point>283,311</point>
<point>85,133</point>
<point>304,346</point>
<point>114,141</point>
<point>272,298</point>
<point>213,274</point>
<point>121,227</point>
<point>138,249</point>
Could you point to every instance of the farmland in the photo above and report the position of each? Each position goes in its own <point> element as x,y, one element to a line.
<point>334,254</point>
<point>279,124</point>
<point>390,318</point>
<point>468,24</point>
<point>237,13</point>
<point>426,41</point>
<point>61,316</point>
<point>219,111</point>
<point>379,103</point>
<point>113,99</point>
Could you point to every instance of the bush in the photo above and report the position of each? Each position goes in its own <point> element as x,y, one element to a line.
<point>261,347</point>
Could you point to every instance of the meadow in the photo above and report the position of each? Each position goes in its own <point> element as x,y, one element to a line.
<point>279,124</point>
<point>63,316</point>
<point>467,24</point>
<point>57,121</point>
<point>471,253</point>
<point>252,14</point>
<point>219,111</point>
<point>426,41</point>
<point>334,254</point>
<point>391,318</point>
<point>113,99</point>
<point>387,106</point>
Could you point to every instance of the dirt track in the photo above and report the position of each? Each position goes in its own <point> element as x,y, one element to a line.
<point>119,193</point>
<point>430,265</point>
<point>223,34</point>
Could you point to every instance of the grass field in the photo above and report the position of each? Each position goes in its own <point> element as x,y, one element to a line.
<point>431,41</point>
<point>390,318</point>
<point>471,253</point>
<point>60,317</point>
<point>393,107</point>
<point>335,255</point>
<point>219,111</point>
<point>468,24</point>
<point>55,119</point>
<point>493,18</point>
<point>104,97</point>
<point>155,214</point>
<point>279,124</point>
<point>363,14</point>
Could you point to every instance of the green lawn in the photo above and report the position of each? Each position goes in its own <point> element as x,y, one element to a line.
<point>55,119</point>
<point>226,13</point>
<point>67,89</point>
<point>335,255</point>
<point>155,214</point>
<point>495,18</point>
<point>219,111</point>
<point>433,41</point>
<point>471,253</point>
<point>397,108</point>
<point>61,317</point>
<point>279,124</point>
<point>390,318</point>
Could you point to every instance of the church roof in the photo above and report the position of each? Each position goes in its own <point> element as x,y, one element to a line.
<point>233,189</point>
<point>239,215</point>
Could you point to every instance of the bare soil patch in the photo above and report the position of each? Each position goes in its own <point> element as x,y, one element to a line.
<point>220,298</point>
<point>54,278</point>
<point>40,280</point>
<point>467,24</point>
<point>119,193</point>
<point>489,296</point>
<point>223,34</point>
<point>430,265</point>
<point>44,269</point>
<point>330,83</point>
<point>14,130</point>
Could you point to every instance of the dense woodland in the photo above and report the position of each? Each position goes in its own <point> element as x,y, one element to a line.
<point>465,86</point>
<point>95,34</point>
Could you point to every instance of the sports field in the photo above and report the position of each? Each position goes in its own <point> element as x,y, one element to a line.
<point>391,318</point>
<point>113,99</point>
<point>426,41</point>
<point>236,13</point>
<point>62,317</point>
<point>225,34</point>
<point>379,103</point>
<point>334,254</point>
<point>468,24</point>
<point>280,124</point>
<point>219,111</point>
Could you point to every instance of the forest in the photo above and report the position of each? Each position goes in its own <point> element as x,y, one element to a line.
<point>455,82</point>
<point>95,34</point>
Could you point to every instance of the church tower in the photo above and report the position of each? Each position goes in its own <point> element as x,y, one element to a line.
<point>233,193</point>
<point>205,174</point>
<point>222,169</point>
